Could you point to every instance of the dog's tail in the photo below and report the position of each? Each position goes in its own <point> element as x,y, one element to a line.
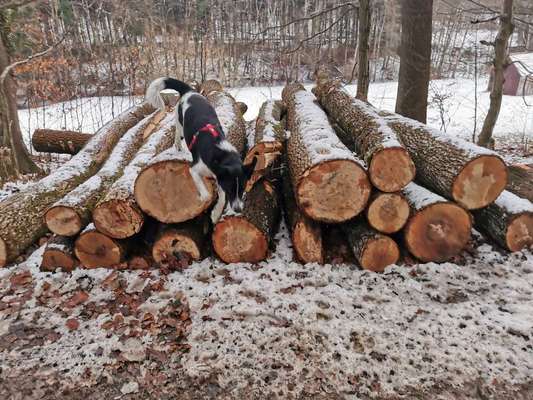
<point>153,95</point>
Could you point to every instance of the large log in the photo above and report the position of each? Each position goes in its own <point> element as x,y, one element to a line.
<point>387,212</point>
<point>58,141</point>
<point>372,250</point>
<point>458,170</point>
<point>330,185</point>
<point>69,215</point>
<point>521,180</point>
<point>390,167</point>
<point>59,253</point>
<point>437,229</point>
<point>95,250</point>
<point>21,214</point>
<point>509,221</point>
<point>117,213</point>
<point>245,237</point>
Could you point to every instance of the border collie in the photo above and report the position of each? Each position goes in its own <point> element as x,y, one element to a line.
<point>212,154</point>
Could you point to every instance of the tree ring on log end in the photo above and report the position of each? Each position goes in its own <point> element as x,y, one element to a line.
<point>519,233</point>
<point>307,242</point>
<point>95,250</point>
<point>438,232</point>
<point>118,219</point>
<point>166,191</point>
<point>237,240</point>
<point>333,191</point>
<point>480,182</point>
<point>172,245</point>
<point>391,169</point>
<point>388,212</point>
<point>53,259</point>
<point>63,221</point>
<point>379,253</point>
<point>3,253</point>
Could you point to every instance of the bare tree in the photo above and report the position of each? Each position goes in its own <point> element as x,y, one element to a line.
<point>363,76</point>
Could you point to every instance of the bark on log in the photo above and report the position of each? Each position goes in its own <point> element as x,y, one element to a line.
<point>209,86</point>
<point>509,221</point>
<point>245,237</point>
<point>117,214</point>
<point>95,250</point>
<point>69,215</point>
<point>458,170</point>
<point>330,185</point>
<point>387,212</point>
<point>390,166</point>
<point>59,253</point>
<point>58,141</point>
<point>21,215</point>
<point>373,250</point>
<point>242,107</point>
<point>437,229</point>
<point>521,181</point>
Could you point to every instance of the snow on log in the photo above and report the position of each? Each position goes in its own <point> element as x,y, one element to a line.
<point>69,215</point>
<point>178,245</point>
<point>59,253</point>
<point>372,250</point>
<point>245,237</point>
<point>521,181</point>
<point>437,229</point>
<point>387,212</point>
<point>329,183</point>
<point>509,221</point>
<point>458,170</point>
<point>21,214</point>
<point>390,167</point>
<point>306,234</point>
<point>117,213</point>
<point>58,141</point>
<point>95,250</point>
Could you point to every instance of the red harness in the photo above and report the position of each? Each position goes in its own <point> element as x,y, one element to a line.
<point>209,128</point>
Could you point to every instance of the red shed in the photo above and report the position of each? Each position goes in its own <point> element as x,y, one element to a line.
<point>518,75</point>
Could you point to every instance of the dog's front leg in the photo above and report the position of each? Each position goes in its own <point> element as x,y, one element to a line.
<point>199,182</point>
<point>178,137</point>
<point>217,210</point>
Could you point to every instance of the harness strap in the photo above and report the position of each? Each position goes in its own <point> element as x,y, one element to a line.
<point>209,128</point>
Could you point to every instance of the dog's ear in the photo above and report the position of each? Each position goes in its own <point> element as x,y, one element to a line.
<point>248,169</point>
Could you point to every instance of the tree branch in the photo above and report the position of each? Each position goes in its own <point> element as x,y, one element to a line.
<point>15,4</point>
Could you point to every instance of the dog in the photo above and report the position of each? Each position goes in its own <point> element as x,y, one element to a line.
<point>213,156</point>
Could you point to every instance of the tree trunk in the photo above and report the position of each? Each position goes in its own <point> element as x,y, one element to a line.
<point>509,221</point>
<point>330,185</point>
<point>437,229</point>
<point>117,214</point>
<point>500,56</point>
<point>390,167</point>
<point>363,75</point>
<point>57,141</point>
<point>21,215</point>
<point>458,170</point>
<point>373,250</point>
<point>387,212</point>
<point>95,250</point>
<point>521,181</point>
<point>415,59</point>
<point>69,215</point>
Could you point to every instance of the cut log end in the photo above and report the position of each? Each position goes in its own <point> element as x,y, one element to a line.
<point>307,242</point>
<point>63,221</point>
<point>391,169</point>
<point>55,258</point>
<point>118,219</point>
<point>166,191</point>
<point>3,253</point>
<point>237,240</point>
<point>438,232</point>
<point>519,234</point>
<point>174,247</point>
<point>333,191</point>
<point>388,212</point>
<point>379,253</point>
<point>94,249</point>
<point>480,182</point>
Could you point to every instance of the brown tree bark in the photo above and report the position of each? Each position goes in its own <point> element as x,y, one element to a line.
<point>57,141</point>
<point>500,55</point>
<point>521,181</point>
<point>363,76</point>
<point>415,59</point>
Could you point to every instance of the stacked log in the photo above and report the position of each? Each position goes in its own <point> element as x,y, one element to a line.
<point>59,253</point>
<point>95,250</point>
<point>390,167</point>
<point>58,141</point>
<point>521,180</point>
<point>387,212</point>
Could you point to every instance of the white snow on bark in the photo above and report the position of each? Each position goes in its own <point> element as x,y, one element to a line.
<point>420,197</point>
<point>513,204</point>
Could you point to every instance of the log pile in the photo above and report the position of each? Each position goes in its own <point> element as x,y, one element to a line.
<point>127,199</point>
<point>57,141</point>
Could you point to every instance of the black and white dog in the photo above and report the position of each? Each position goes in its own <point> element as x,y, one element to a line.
<point>213,155</point>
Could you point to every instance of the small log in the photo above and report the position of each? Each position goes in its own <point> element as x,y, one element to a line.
<point>242,107</point>
<point>458,170</point>
<point>437,228</point>
<point>59,253</point>
<point>509,221</point>
<point>387,212</point>
<point>521,180</point>
<point>372,250</point>
<point>246,237</point>
<point>209,86</point>
<point>95,250</point>
<point>330,185</point>
<point>58,141</point>
<point>390,167</point>
<point>117,214</point>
